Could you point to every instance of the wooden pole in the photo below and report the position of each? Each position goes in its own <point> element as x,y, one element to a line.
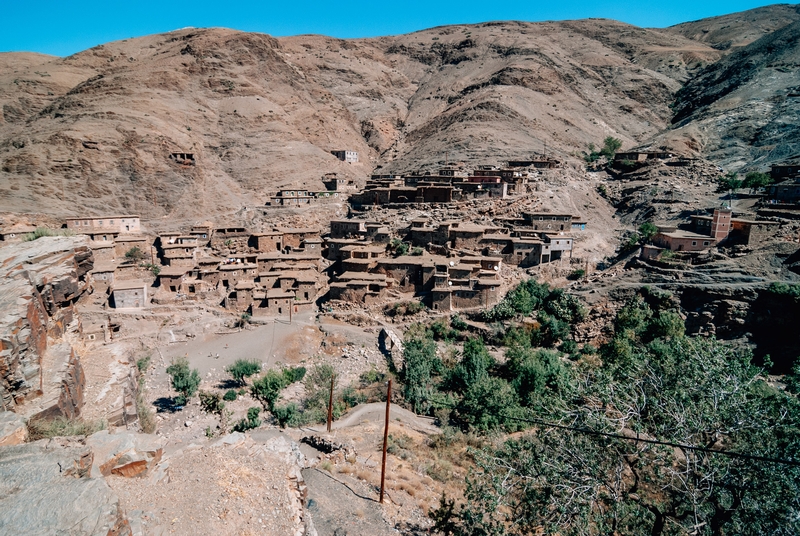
<point>385,437</point>
<point>330,406</point>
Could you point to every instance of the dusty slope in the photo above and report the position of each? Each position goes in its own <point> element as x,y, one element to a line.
<point>261,112</point>
<point>735,30</point>
<point>744,111</point>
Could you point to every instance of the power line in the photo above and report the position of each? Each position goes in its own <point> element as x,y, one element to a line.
<point>638,439</point>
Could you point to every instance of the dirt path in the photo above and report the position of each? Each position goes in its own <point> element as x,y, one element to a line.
<point>376,412</point>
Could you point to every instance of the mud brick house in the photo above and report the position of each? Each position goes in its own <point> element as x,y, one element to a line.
<point>232,273</point>
<point>129,294</point>
<point>103,275</point>
<point>787,191</point>
<point>202,233</point>
<point>171,278</point>
<point>293,239</point>
<point>104,227</point>
<point>334,247</point>
<point>546,221</point>
<point>276,302</point>
<point>785,171</point>
<point>103,251</point>
<point>719,227</point>
<point>179,254</point>
<point>241,297</point>
<point>15,233</point>
<point>292,198</point>
<point>267,242</point>
<point>742,231</point>
<point>641,156</point>
<point>124,243</point>
<point>348,228</point>
<point>336,184</point>
<point>359,288</point>
<point>350,157</point>
<point>231,238</point>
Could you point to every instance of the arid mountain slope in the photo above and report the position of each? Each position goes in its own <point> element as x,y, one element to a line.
<point>93,132</point>
<point>736,30</point>
<point>744,111</point>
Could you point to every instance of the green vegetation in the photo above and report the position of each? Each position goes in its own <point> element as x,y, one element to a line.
<point>653,382</point>
<point>576,274</point>
<point>406,308</point>
<point>730,182</point>
<point>142,364</point>
<point>135,254</point>
<point>62,427</point>
<point>250,422</point>
<point>268,387</point>
<point>184,380</point>
<point>755,180</point>
<point>610,147</point>
<point>399,247</point>
<point>229,396</point>
<point>241,369</point>
<point>39,232</point>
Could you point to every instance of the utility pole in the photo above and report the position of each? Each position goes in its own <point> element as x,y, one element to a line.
<point>385,437</point>
<point>330,406</point>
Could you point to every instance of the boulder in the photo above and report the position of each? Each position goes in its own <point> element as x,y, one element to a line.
<point>13,430</point>
<point>124,454</point>
<point>46,489</point>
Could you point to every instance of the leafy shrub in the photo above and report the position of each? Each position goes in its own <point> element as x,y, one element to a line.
<point>142,364</point>
<point>250,422</point>
<point>242,369</point>
<point>458,323</point>
<point>577,274</point>
<point>267,388</point>
<point>135,254</point>
<point>230,395</point>
<point>211,402</point>
<point>288,415</point>
<point>184,380</point>
<point>294,374</point>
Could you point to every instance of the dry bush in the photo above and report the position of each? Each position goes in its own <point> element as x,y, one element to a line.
<point>62,426</point>
<point>326,466</point>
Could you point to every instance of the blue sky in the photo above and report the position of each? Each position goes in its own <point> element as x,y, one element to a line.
<point>66,27</point>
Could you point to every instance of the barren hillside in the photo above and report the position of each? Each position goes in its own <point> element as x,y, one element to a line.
<point>744,111</point>
<point>739,29</point>
<point>93,132</point>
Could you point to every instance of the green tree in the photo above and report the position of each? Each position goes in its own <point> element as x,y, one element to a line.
<point>610,147</point>
<point>241,369</point>
<point>184,380</point>
<point>268,387</point>
<point>489,404</point>
<point>473,367</point>
<point>730,182</point>
<point>694,392</point>
<point>419,355</point>
<point>135,254</point>
<point>755,180</point>
<point>647,231</point>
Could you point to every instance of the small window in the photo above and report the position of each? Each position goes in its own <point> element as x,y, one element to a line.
<point>694,243</point>
<point>705,243</point>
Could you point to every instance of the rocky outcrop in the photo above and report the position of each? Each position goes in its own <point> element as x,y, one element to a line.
<point>124,454</point>
<point>42,280</point>
<point>47,487</point>
<point>13,430</point>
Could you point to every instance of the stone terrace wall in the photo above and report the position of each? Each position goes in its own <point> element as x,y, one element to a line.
<point>41,280</point>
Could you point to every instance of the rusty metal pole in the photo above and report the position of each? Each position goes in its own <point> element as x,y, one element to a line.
<point>385,437</point>
<point>330,406</point>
